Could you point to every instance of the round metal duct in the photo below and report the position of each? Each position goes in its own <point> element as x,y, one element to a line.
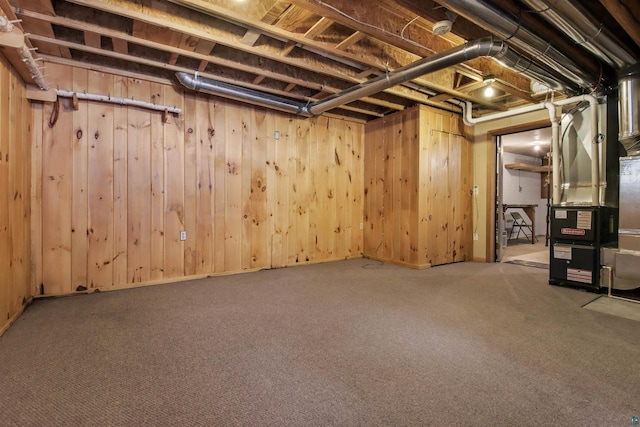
<point>629,109</point>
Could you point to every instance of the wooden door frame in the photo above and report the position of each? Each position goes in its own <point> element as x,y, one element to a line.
<point>491,135</point>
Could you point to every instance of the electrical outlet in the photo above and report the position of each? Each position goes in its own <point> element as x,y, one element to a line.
<point>183,235</point>
<point>276,135</point>
<point>476,191</point>
<point>475,236</point>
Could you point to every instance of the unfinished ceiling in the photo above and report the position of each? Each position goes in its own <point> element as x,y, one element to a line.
<point>308,50</point>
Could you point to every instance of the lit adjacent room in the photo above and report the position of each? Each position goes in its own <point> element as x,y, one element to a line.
<point>305,212</point>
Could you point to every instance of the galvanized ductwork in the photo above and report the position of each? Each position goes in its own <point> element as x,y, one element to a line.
<point>508,27</point>
<point>629,109</point>
<point>576,22</point>
<point>488,47</point>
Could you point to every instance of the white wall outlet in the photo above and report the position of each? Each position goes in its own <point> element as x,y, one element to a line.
<point>183,235</point>
<point>276,135</point>
<point>475,236</point>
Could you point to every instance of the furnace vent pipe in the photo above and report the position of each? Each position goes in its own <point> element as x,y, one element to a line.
<point>574,21</point>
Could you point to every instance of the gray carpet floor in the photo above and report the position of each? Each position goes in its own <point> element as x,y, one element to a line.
<point>353,343</point>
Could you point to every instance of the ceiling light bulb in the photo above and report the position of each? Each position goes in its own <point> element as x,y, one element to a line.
<point>488,91</point>
<point>536,147</point>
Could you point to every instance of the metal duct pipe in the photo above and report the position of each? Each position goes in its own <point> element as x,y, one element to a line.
<point>238,93</point>
<point>576,22</point>
<point>629,109</point>
<point>506,26</point>
<point>471,50</point>
<point>439,61</point>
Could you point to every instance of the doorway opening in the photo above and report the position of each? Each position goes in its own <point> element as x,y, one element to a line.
<point>523,181</point>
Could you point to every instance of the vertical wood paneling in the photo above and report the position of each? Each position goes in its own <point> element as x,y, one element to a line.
<point>79,220</point>
<point>233,224</point>
<point>341,197</point>
<point>219,185</point>
<point>260,236</point>
<point>36,197</point>
<point>324,188</point>
<point>174,184</point>
<point>248,137</point>
<point>100,140</point>
<point>18,191</point>
<point>56,191</point>
<point>157,185</point>
<point>312,189</point>
<point>245,199</point>
<point>421,178</point>
<point>355,135</point>
<point>139,185</point>
<point>295,192</point>
<point>205,191</point>
<point>303,135</point>
<point>6,158</point>
<point>120,185</point>
<point>192,185</point>
<point>16,141</point>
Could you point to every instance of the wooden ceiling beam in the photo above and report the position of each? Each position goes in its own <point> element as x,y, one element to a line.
<point>92,39</point>
<point>318,28</point>
<point>351,40</point>
<point>162,19</point>
<point>162,65</point>
<point>214,10</point>
<point>627,13</point>
<point>251,37</point>
<point>120,46</point>
<point>369,19</point>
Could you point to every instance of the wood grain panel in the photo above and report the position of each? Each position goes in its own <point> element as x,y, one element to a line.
<point>120,184</point>
<point>139,185</point>
<point>79,224</point>
<point>417,189</point>
<point>157,185</point>
<point>205,191</point>
<point>16,141</point>
<point>246,200</point>
<point>191,184</point>
<point>100,140</point>
<point>174,177</point>
<point>57,190</point>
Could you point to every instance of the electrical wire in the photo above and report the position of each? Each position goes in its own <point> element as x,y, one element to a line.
<point>351,18</point>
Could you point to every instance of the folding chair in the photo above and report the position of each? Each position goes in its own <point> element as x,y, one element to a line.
<point>520,225</point>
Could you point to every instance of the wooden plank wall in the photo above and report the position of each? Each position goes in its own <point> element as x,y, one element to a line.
<point>15,189</point>
<point>115,186</point>
<point>417,202</point>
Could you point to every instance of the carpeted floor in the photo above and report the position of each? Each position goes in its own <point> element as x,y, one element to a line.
<point>348,343</point>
